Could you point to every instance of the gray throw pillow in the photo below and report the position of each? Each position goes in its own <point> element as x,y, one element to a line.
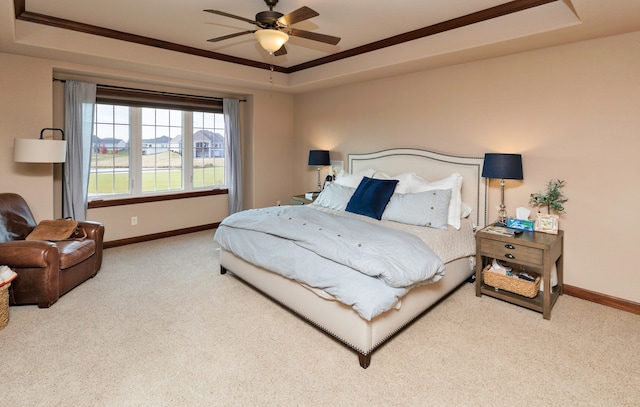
<point>429,208</point>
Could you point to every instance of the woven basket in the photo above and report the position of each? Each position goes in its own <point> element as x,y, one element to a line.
<point>512,284</point>
<point>4,305</point>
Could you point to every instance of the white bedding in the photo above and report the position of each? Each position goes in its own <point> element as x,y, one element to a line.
<point>447,244</point>
<point>371,296</point>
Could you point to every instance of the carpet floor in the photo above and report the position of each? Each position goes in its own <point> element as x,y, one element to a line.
<point>160,326</point>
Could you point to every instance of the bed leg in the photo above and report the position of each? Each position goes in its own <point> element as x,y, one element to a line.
<point>365,360</point>
<point>223,270</point>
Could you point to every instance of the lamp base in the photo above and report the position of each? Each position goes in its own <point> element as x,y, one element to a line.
<point>319,184</point>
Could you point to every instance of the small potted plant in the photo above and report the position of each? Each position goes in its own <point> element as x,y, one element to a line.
<point>552,199</point>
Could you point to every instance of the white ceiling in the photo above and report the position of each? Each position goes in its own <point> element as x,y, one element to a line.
<point>357,22</point>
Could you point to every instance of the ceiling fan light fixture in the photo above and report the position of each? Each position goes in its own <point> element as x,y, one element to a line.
<point>271,40</point>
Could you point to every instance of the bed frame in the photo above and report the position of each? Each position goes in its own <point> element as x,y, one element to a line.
<point>341,321</point>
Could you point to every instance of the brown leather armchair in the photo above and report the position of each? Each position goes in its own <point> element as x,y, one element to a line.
<point>46,270</point>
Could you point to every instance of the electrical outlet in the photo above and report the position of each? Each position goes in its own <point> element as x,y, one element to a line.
<point>134,220</point>
<point>278,203</point>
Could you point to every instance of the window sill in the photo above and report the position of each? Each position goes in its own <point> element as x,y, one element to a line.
<point>154,198</point>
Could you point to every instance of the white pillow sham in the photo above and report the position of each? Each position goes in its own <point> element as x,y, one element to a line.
<point>466,210</point>
<point>453,182</point>
<point>353,180</point>
<point>409,182</point>
<point>334,196</point>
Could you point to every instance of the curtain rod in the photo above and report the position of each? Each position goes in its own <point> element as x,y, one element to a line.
<point>157,92</point>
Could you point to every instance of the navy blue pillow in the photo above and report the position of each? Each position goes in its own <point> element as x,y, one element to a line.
<point>371,197</point>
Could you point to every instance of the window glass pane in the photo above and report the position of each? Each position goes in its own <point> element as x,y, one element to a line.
<point>208,149</point>
<point>161,165</point>
<point>159,136</point>
<point>110,164</point>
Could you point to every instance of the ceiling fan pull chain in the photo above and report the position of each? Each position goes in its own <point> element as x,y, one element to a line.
<point>271,69</point>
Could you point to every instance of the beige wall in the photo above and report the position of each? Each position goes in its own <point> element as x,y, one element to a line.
<point>272,155</point>
<point>25,109</point>
<point>572,111</point>
<point>27,104</point>
<point>157,217</point>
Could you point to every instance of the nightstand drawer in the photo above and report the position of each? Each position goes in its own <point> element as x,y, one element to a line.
<point>511,251</point>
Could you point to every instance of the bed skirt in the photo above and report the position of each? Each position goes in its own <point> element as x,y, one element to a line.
<point>340,320</point>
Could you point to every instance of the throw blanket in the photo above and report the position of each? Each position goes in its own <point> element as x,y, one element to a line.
<point>326,248</point>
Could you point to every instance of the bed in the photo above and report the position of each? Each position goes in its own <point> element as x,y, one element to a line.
<point>343,322</point>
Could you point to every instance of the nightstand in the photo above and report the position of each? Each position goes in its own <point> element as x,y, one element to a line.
<point>532,250</point>
<point>300,200</point>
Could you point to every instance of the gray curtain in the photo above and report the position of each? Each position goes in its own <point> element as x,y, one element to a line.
<point>80,99</point>
<point>233,152</point>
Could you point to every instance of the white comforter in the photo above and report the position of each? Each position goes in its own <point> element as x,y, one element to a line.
<point>333,253</point>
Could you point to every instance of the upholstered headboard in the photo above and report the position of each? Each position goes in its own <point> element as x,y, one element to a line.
<point>431,166</point>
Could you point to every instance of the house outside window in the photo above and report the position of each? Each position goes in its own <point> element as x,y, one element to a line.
<point>139,150</point>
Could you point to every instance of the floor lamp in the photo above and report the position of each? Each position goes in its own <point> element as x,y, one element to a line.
<point>40,150</point>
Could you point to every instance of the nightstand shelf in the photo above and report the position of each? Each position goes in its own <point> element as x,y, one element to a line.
<point>300,200</point>
<point>536,303</point>
<point>531,250</point>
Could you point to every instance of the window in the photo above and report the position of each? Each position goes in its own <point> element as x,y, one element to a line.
<point>208,152</point>
<point>141,150</point>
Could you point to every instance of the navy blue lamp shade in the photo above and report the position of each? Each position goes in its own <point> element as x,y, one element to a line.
<point>502,166</point>
<point>319,158</point>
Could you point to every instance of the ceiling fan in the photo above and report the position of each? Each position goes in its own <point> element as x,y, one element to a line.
<point>274,28</point>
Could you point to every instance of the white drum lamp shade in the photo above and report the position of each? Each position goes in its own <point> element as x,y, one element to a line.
<point>40,150</point>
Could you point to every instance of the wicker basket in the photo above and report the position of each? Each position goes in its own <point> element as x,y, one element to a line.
<point>512,284</point>
<point>4,305</point>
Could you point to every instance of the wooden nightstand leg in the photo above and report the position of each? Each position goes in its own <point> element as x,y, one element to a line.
<point>560,275</point>
<point>546,294</point>
<point>478,276</point>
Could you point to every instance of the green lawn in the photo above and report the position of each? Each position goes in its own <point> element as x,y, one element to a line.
<point>166,177</point>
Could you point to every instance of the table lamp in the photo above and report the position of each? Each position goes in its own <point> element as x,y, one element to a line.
<point>502,166</point>
<point>319,158</point>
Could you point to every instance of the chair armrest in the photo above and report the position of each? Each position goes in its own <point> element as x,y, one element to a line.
<point>94,231</point>
<point>29,253</point>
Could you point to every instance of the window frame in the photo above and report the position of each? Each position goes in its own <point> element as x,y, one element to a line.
<point>136,98</point>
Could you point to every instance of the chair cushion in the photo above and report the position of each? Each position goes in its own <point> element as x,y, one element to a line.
<point>73,252</point>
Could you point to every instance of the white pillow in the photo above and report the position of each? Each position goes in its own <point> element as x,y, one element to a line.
<point>453,182</point>
<point>409,182</point>
<point>466,210</point>
<point>430,208</point>
<point>381,175</point>
<point>352,180</point>
<point>334,196</point>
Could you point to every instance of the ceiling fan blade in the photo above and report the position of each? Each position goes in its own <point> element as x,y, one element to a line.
<point>222,13</point>
<point>281,51</point>
<point>327,39</point>
<point>301,14</point>
<point>226,37</point>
